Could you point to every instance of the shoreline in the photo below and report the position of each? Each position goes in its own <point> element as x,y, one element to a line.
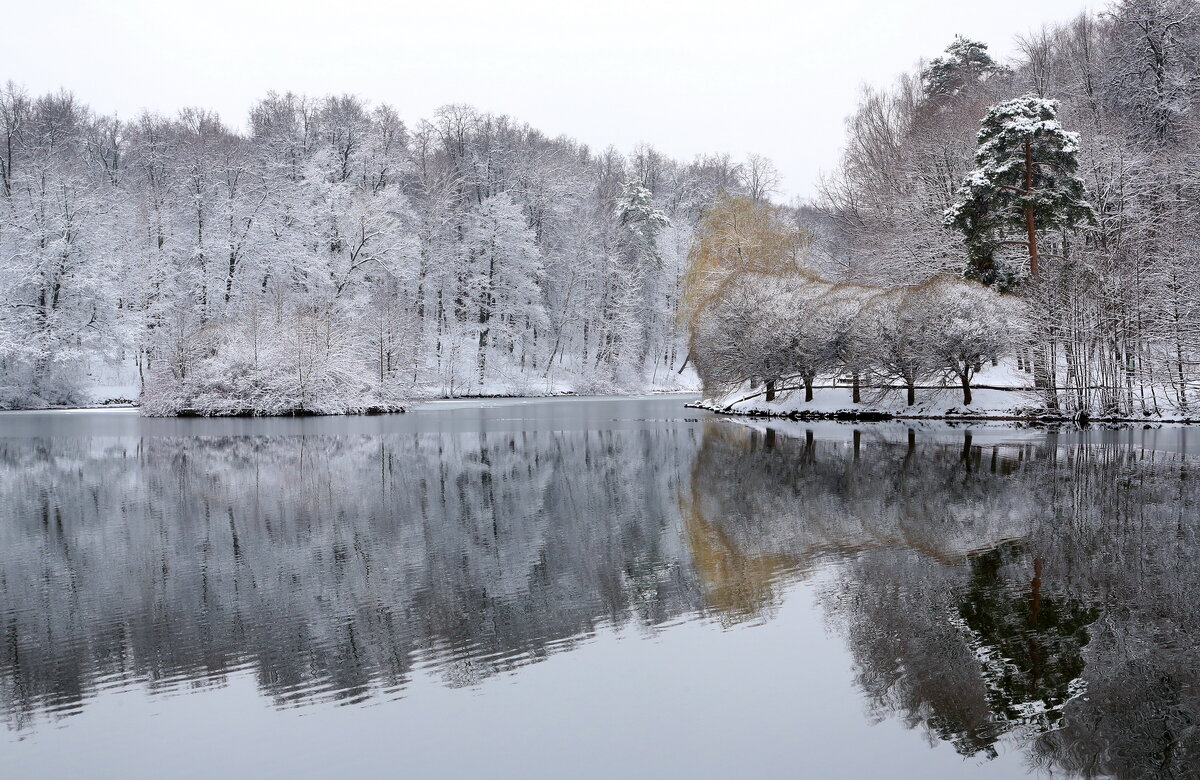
<point>1014,408</point>
<point>372,411</point>
<point>874,416</point>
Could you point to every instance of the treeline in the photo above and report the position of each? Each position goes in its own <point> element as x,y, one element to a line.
<point>1100,240</point>
<point>331,258</point>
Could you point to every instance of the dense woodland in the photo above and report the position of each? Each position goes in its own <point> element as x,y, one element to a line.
<point>330,258</point>
<point>1066,182</point>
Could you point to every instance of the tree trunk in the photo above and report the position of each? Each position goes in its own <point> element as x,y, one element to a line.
<point>1030,225</point>
<point>1043,378</point>
<point>856,393</point>
<point>912,393</point>
<point>770,389</point>
<point>966,386</point>
<point>808,394</point>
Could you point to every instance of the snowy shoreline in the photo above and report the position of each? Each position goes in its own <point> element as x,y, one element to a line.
<point>367,412</point>
<point>995,404</point>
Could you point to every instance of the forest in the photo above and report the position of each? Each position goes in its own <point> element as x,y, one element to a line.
<point>332,259</point>
<point>1041,215</point>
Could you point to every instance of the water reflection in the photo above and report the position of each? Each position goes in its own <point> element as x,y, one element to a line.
<point>1042,592</point>
<point>328,565</point>
<point>1030,589</point>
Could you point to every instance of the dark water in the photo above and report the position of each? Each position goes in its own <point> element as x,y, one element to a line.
<point>594,588</point>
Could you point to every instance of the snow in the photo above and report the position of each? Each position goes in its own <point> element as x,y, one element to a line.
<point>113,395</point>
<point>1000,392</point>
<point>358,271</point>
<point>931,403</point>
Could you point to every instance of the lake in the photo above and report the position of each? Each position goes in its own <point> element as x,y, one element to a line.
<point>595,588</point>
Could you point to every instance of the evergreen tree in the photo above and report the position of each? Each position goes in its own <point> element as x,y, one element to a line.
<point>1024,181</point>
<point>966,62</point>
<point>636,211</point>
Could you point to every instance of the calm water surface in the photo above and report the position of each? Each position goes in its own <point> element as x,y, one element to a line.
<point>594,588</point>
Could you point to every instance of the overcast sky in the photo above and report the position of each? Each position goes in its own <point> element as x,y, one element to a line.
<point>689,77</point>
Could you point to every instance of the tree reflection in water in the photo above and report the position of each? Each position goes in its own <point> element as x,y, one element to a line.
<point>1038,591</point>
<point>328,565</point>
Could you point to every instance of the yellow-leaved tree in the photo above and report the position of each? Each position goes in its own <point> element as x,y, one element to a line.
<point>736,238</point>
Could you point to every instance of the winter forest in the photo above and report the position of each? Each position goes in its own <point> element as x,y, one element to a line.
<point>1041,214</point>
<point>331,258</point>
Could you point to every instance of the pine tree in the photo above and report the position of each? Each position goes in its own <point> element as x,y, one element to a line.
<point>966,62</point>
<point>1024,182</point>
<point>636,211</point>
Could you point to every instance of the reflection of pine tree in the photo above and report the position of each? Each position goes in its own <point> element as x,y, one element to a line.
<point>1030,643</point>
<point>952,627</point>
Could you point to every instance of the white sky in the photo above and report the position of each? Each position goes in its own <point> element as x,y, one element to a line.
<point>776,78</point>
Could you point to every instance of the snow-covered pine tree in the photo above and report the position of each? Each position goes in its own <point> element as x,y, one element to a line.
<point>1024,182</point>
<point>966,62</point>
<point>636,211</point>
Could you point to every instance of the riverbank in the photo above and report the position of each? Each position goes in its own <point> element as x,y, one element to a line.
<point>118,386</point>
<point>940,403</point>
<point>416,403</point>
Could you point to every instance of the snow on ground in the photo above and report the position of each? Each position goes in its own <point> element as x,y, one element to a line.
<point>994,402</point>
<point>836,402</point>
<point>1004,374</point>
<point>999,392</point>
<point>117,385</point>
<point>114,395</point>
<point>111,383</point>
<point>564,382</point>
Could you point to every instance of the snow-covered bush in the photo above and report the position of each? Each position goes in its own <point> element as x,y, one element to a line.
<point>303,363</point>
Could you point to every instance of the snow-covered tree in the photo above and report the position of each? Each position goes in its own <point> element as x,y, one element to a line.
<point>966,62</point>
<point>969,326</point>
<point>635,210</point>
<point>808,326</point>
<point>1025,181</point>
<point>737,236</point>
<point>896,325</point>
<point>503,286</point>
<point>1155,65</point>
